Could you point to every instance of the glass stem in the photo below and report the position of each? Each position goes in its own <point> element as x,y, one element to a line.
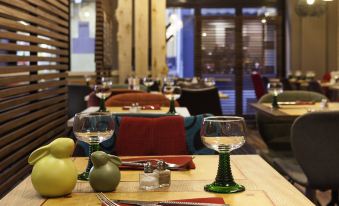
<point>275,102</point>
<point>93,147</point>
<point>102,107</point>
<point>224,175</point>
<point>172,106</point>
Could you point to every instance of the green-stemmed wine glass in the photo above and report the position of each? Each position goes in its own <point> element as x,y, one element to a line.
<point>92,128</point>
<point>172,93</point>
<point>102,91</point>
<point>223,134</point>
<point>275,88</point>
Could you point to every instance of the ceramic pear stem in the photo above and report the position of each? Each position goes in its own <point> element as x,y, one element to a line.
<point>172,107</point>
<point>224,182</point>
<point>93,147</point>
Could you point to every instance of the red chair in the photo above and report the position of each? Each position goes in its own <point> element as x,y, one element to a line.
<point>258,85</point>
<point>141,98</point>
<point>138,136</point>
<point>93,100</point>
<point>326,77</point>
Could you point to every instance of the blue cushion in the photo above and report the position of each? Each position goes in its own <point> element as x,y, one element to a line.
<point>193,139</point>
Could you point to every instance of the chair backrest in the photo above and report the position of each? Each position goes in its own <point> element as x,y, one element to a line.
<point>289,96</point>
<point>258,85</point>
<point>201,101</point>
<point>326,77</point>
<point>315,86</point>
<point>76,99</point>
<point>93,100</point>
<point>286,84</point>
<point>315,143</point>
<point>141,98</point>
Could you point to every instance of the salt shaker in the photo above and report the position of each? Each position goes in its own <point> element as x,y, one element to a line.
<point>164,174</point>
<point>149,180</point>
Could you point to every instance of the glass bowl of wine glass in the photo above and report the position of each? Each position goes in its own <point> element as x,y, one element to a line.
<point>209,81</point>
<point>148,82</point>
<point>92,128</point>
<point>223,134</point>
<point>275,88</point>
<point>172,93</point>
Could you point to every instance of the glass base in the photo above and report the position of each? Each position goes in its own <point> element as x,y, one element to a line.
<point>225,189</point>
<point>83,176</point>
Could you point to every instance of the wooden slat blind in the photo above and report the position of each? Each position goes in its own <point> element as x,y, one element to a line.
<point>99,40</point>
<point>34,58</point>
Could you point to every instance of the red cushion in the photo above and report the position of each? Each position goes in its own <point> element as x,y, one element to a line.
<point>151,136</point>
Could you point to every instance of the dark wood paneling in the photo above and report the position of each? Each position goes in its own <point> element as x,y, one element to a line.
<point>34,58</point>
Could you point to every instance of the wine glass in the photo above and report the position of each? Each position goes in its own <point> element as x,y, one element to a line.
<point>275,88</point>
<point>223,134</point>
<point>172,93</point>
<point>102,91</point>
<point>209,81</point>
<point>92,128</point>
<point>169,81</point>
<point>107,80</point>
<point>148,82</point>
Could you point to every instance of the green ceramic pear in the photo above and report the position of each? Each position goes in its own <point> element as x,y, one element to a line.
<point>54,173</point>
<point>105,174</point>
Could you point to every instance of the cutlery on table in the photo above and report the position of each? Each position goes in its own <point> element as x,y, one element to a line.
<point>105,200</point>
<point>166,203</point>
<point>142,162</point>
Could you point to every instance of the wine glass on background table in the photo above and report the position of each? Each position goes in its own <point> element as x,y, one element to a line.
<point>209,81</point>
<point>172,93</point>
<point>148,82</point>
<point>92,128</point>
<point>223,134</point>
<point>275,88</point>
<point>102,91</point>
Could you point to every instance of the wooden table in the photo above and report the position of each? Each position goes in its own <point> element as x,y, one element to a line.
<point>183,111</point>
<point>292,111</point>
<point>264,186</point>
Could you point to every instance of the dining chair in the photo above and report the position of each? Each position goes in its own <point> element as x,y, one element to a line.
<point>93,100</point>
<point>276,132</point>
<point>315,145</point>
<point>258,84</point>
<point>191,125</point>
<point>76,95</point>
<point>315,86</point>
<point>201,101</point>
<point>128,99</point>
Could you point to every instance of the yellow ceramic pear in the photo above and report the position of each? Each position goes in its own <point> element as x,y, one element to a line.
<point>54,173</point>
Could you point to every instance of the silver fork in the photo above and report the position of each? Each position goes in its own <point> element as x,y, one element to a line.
<point>142,162</point>
<point>103,199</point>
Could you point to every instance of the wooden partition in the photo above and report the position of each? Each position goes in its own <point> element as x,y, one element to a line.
<point>34,58</point>
<point>141,37</point>
<point>99,40</point>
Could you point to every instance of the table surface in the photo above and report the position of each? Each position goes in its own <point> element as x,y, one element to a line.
<point>183,111</point>
<point>292,111</point>
<point>264,186</point>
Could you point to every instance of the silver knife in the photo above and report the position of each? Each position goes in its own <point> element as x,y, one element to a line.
<point>168,203</point>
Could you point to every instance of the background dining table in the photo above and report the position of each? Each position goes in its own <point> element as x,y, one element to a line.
<point>183,111</point>
<point>264,186</point>
<point>293,111</point>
